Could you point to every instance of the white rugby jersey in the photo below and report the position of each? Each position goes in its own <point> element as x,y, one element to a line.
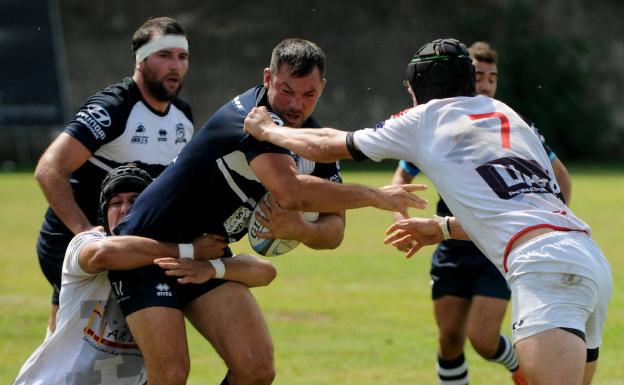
<point>488,165</point>
<point>92,343</point>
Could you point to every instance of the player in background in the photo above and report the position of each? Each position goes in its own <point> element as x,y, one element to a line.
<point>212,187</point>
<point>469,294</point>
<point>492,171</point>
<point>92,343</point>
<point>140,120</point>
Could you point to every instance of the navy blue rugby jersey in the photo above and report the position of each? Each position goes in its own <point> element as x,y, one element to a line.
<point>119,127</point>
<point>209,187</point>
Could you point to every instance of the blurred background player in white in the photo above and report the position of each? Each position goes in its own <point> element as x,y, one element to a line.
<point>492,171</point>
<point>92,343</point>
<point>469,294</point>
<point>140,120</point>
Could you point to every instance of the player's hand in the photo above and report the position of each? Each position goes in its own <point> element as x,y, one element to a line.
<point>188,270</point>
<point>209,246</point>
<point>402,245</point>
<point>258,122</point>
<point>399,198</point>
<point>420,231</point>
<point>281,223</point>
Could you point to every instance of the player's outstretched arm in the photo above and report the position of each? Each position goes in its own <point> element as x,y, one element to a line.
<point>126,252</point>
<point>319,144</point>
<point>243,268</point>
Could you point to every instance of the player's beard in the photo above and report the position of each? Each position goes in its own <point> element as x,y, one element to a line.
<point>156,87</point>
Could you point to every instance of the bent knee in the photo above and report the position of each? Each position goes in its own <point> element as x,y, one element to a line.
<point>255,372</point>
<point>168,374</point>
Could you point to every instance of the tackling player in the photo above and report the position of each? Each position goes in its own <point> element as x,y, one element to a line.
<point>492,171</point>
<point>92,343</point>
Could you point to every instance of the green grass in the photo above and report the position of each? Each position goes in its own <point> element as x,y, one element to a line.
<point>360,314</point>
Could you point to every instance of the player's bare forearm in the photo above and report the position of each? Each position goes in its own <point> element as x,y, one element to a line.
<point>320,144</point>
<point>64,156</point>
<point>130,252</point>
<point>246,269</point>
<point>123,253</point>
<point>456,230</point>
<point>314,194</point>
<point>326,233</point>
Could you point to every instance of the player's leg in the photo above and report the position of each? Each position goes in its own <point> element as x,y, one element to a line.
<point>161,336</point>
<point>230,318</point>
<point>487,311</point>
<point>151,303</point>
<point>451,315</point>
<point>484,325</point>
<point>451,302</point>
<point>552,357</point>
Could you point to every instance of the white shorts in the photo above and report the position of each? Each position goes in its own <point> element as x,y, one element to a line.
<point>544,299</point>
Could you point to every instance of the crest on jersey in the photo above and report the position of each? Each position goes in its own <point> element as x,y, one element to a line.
<point>139,135</point>
<point>180,133</point>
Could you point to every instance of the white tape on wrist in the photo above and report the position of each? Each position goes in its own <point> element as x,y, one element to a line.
<point>444,226</point>
<point>218,266</point>
<point>186,250</point>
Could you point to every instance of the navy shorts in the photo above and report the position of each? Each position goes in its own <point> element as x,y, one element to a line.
<point>51,252</point>
<point>459,269</point>
<point>149,286</point>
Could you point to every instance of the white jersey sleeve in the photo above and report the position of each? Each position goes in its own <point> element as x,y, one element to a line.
<point>391,141</point>
<point>71,265</point>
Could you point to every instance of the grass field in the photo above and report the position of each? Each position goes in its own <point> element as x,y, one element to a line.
<point>360,314</point>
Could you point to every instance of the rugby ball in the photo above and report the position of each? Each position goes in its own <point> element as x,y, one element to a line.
<point>271,247</point>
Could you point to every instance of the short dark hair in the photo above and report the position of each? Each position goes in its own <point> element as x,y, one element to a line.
<point>300,55</point>
<point>164,25</point>
<point>483,52</point>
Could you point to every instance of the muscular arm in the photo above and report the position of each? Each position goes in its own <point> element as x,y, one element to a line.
<point>319,144</point>
<point>326,233</point>
<point>246,269</point>
<point>64,156</point>
<point>127,252</point>
<point>277,173</point>
<point>563,180</point>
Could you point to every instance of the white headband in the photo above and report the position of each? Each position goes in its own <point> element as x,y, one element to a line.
<point>160,43</point>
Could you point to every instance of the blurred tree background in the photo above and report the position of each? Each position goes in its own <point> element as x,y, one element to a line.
<point>560,60</point>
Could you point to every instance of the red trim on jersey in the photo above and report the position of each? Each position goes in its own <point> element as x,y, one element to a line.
<point>400,113</point>
<point>526,230</point>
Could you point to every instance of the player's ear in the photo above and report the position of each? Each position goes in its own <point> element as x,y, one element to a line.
<point>266,78</point>
<point>323,86</point>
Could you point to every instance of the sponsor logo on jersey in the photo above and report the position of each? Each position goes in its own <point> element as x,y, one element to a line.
<point>138,137</point>
<point>237,222</point>
<point>180,133</point>
<point>162,135</point>
<point>99,114</point>
<point>510,177</point>
<point>238,104</point>
<point>94,117</point>
<point>163,290</point>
